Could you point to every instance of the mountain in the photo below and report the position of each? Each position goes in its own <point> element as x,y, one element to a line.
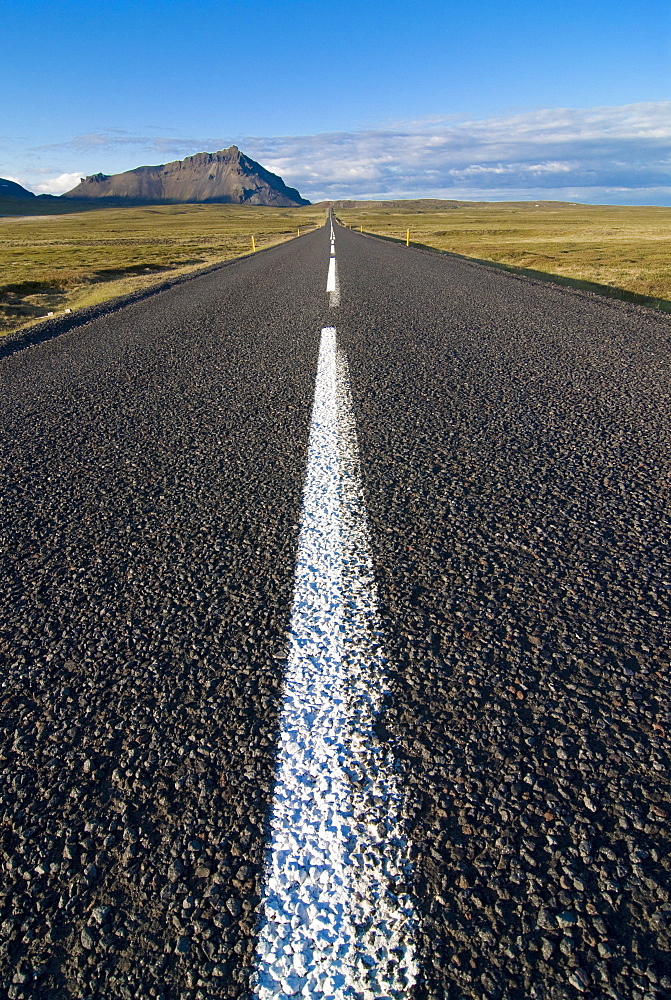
<point>227,176</point>
<point>10,189</point>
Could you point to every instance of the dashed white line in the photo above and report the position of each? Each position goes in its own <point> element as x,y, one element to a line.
<point>337,920</point>
<point>331,279</point>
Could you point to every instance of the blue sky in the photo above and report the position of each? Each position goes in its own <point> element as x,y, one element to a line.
<point>479,99</point>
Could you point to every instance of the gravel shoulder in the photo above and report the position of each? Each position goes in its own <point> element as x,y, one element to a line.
<point>515,441</point>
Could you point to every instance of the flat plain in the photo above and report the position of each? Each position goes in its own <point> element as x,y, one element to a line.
<point>54,262</point>
<point>620,250</point>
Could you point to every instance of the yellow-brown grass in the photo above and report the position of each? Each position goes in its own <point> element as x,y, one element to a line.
<point>56,262</point>
<point>620,248</point>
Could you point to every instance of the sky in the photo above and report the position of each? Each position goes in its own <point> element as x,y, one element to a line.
<point>482,100</point>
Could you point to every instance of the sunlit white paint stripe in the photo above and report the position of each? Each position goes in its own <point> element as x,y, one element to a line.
<point>331,279</point>
<point>337,920</point>
<point>333,283</point>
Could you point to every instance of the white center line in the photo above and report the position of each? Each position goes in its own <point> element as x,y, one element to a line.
<point>331,279</point>
<point>337,920</point>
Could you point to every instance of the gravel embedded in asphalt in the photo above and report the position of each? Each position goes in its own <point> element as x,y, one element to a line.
<point>515,445</point>
<point>152,466</point>
<point>514,441</point>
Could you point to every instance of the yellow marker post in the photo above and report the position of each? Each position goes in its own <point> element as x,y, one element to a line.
<point>253,245</point>
<point>360,229</point>
<point>407,238</point>
<point>299,232</point>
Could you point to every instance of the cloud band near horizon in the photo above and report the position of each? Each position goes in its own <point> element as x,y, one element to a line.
<point>611,154</point>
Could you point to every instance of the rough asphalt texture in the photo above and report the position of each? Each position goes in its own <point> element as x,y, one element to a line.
<point>514,440</point>
<point>152,467</point>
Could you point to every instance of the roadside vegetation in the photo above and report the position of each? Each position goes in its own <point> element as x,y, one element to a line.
<point>57,262</point>
<point>51,263</point>
<point>611,249</point>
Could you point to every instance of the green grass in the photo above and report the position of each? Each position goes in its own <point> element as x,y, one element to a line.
<point>44,206</point>
<point>55,262</point>
<point>617,250</point>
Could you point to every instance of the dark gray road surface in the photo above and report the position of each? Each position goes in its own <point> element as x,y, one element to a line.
<point>152,468</point>
<point>515,441</point>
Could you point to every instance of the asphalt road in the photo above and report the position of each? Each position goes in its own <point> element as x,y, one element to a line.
<point>514,441</point>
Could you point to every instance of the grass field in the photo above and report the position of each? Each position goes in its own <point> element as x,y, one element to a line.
<point>621,249</point>
<point>56,262</point>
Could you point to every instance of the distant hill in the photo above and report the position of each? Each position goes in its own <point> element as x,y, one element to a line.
<point>227,177</point>
<point>430,205</point>
<point>407,204</point>
<point>10,189</point>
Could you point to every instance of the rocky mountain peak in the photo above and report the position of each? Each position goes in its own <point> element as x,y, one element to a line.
<point>227,176</point>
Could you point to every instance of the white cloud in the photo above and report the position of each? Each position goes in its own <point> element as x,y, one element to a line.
<point>623,152</point>
<point>620,154</point>
<point>58,185</point>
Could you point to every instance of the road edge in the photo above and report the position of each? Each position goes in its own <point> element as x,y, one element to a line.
<point>30,336</point>
<point>578,286</point>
